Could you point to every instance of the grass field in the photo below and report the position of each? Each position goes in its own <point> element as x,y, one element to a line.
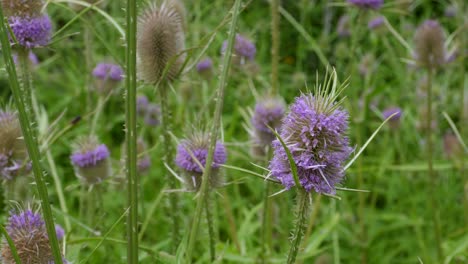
<point>404,199</point>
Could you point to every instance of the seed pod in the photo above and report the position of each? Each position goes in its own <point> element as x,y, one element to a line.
<point>429,40</point>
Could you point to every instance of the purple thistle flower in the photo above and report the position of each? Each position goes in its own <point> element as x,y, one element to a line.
<point>60,232</point>
<point>28,231</point>
<point>376,22</point>
<point>395,120</point>
<point>367,4</point>
<point>315,133</point>
<point>268,113</point>
<point>31,32</point>
<point>153,114</point>
<point>108,71</point>
<point>90,157</point>
<point>197,145</point>
<point>205,65</point>
<point>91,160</point>
<point>243,48</point>
<point>142,104</point>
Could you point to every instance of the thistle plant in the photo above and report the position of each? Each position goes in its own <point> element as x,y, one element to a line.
<point>430,53</point>
<point>160,42</point>
<point>311,149</point>
<point>107,77</point>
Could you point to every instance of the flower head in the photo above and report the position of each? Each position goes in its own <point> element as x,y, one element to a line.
<point>153,115</point>
<point>367,4</point>
<point>193,152</point>
<point>314,131</point>
<point>91,160</point>
<point>395,119</point>
<point>31,32</point>
<point>142,104</point>
<point>267,115</point>
<point>108,76</point>
<point>343,27</point>
<point>376,23</point>
<point>13,152</point>
<point>429,40</point>
<point>450,11</point>
<point>22,8</point>
<point>160,42</point>
<point>244,49</point>
<point>28,231</point>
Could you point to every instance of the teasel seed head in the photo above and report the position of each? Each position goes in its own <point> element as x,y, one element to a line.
<point>192,152</point>
<point>429,44</point>
<point>160,43</point>
<point>22,8</point>
<point>91,160</point>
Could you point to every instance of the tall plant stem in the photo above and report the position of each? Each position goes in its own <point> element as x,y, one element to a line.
<point>131,135</point>
<point>267,231</point>
<point>213,133</point>
<point>301,220</point>
<point>430,170</point>
<point>168,159</point>
<point>28,134</point>
<point>275,45</point>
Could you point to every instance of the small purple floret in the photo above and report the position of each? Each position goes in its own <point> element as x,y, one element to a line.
<point>367,4</point>
<point>318,143</point>
<point>24,222</point>
<point>390,111</point>
<point>376,22</point>
<point>242,47</point>
<point>205,65</point>
<point>185,161</point>
<point>110,71</point>
<point>90,157</point>
<point>31,32</point>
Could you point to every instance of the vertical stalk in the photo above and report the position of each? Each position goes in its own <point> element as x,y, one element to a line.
<point>432,177</point>
<point>31,143</point>
<point>267,231</point>
<point>131,129</point>
<point>301,219</point>
<point>213,133</point>
<point>168,158</point>
<point>275,45</point>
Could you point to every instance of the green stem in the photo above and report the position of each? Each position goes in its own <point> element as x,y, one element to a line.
<point>214,133</point>
<point>211,234</point>
<point>275,45</point>
<point>97,114</point>
<point>131,129</point>
<point>30,140</point>
<point>266,223</point>
<point>301,219</point>
<point>168,159</point>
<point>432,177</point>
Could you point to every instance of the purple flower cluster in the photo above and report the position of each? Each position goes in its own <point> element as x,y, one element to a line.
<point>31,32</point>
<point>185,161</point>
<point>205,65</point>
<point>367,4</point>
<point>243,48</point>
<point>268,114</point>
<point>108,71</point>
<point>28,231</point>
<point>395,120</point>
<point>376,22</point>
<point>317,140</point>
<point>90,157</point>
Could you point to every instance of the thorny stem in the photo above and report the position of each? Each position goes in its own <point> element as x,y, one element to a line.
<point>131,135</point>
<point>301,219</point>
<point>432,177</point>
<point>275,45</point>
<point>267,215</point>
<point>31,143</point>
<point>168,159</point>
<point>213,133</point>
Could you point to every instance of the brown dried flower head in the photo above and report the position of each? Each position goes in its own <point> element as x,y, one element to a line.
<point>429,40</point>
<point>160,43</point>
<point>22,8</point>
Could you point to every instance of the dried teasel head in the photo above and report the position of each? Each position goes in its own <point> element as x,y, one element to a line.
<point>22,8</point>
<point>160,43</point>
<point>429,40</point>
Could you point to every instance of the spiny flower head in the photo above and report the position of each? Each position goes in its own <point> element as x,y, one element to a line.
<point>429,40</point>
<point>91,160</point>
<point>193,152</point>
<point>160,43</point>
<point>205,68</point>
<point>28,231</point>
<point>244,49</point>
<point>314,131</point>
<point>267,115</point>
<point>152,115</point>
<point>22,8</point>
<point>395,119</point>
<point>142,104</point>
<point>367,4</point>
<point>31,32</point>
<point>13,152</point>
<point>108,76</point>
